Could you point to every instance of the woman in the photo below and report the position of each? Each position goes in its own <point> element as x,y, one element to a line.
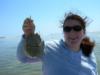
<point>72,55</point>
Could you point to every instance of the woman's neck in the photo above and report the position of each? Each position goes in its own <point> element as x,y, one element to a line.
<point>74,48</point>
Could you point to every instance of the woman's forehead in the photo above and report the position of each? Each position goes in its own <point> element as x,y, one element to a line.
<point>72,23</point>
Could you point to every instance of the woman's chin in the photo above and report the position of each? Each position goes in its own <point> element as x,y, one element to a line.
<point>74,43</point>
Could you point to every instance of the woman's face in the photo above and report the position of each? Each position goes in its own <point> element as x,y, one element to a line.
<point>73,32</point>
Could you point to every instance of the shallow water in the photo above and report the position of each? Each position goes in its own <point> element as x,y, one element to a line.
<point>9,65</point>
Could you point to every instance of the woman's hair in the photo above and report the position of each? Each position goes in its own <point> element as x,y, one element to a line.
<point>87,45</point>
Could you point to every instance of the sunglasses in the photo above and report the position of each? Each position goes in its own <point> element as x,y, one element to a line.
<point>76,28</point>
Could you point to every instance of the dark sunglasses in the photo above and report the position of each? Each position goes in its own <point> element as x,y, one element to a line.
<point>75,28</point>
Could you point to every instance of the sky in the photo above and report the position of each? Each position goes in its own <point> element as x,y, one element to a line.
<point>46,14</point>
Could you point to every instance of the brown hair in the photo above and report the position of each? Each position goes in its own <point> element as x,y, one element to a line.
<point>87,45</point>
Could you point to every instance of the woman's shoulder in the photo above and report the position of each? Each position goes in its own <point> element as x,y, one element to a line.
<point>52,43</point>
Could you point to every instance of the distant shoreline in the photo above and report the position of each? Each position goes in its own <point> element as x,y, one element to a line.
<point>2,37</point>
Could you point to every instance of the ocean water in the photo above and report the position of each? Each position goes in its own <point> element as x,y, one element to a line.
<point>9,65</point>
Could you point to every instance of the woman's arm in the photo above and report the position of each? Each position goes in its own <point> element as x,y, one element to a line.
<point>92,61</point>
